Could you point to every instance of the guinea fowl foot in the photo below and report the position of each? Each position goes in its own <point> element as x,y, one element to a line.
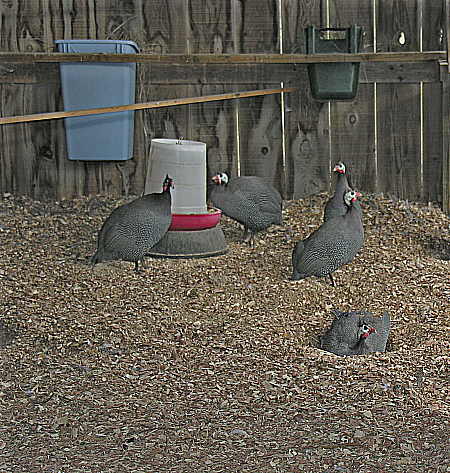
<point>248,237</point>
<point>332,280</point>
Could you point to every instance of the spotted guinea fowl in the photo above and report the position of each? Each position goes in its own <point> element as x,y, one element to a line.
<point>356,333</point>
<point>132,229</point>
<point>249,200</point>
<point>332,245</point>
<point>336,205</point>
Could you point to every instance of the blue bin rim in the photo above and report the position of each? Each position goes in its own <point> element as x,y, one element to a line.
<point>98,41</point>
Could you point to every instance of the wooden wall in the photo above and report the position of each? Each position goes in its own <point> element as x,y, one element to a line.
<point>391,134</point>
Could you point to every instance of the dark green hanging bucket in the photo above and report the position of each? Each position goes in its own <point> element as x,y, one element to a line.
<point>333,80</point>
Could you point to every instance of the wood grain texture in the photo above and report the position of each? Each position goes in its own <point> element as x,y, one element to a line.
<point>308,141</point>
<point>426,71</point>
<point>259,118</point>
<point>296,16</point>
<point>445,139</point>
<point>214,123</point>
<point>228,59</point>
<point>398,117</point>
<point>433,36</point>
<point>306,121</point>
<point>353,123</point>
<point>398,106</point>
<point>432,146</point>
<point>433,29</point>
<point>353,138</point>
<point>397,25</point>
<point>192,47</point>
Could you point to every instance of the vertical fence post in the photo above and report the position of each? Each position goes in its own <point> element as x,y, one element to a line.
<point>445,72</point>
<point>445,139</point>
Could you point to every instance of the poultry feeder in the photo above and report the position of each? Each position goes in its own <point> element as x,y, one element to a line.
<point>195,231</point>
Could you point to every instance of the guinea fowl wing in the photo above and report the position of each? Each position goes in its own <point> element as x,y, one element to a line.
<point>332,245</point>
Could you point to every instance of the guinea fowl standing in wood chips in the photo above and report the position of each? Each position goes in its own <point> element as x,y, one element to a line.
<point>249,200</point>
<point>336,205</point>
<point>356,333</point>
<point>132,229</point>
<point>332,245</point>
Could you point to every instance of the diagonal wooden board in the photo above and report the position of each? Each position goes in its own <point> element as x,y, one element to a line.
<point>142,106</point>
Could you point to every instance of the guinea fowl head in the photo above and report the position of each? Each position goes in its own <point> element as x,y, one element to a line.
<point>168,183</point>
<point>351,196</point>
<point>220,178</point>
<point>364,331</point>
<point>340,168</point>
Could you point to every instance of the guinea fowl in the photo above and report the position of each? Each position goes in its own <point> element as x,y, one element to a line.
<point>249,200</point>
<point>356,333</point>
<point>336,205</point>
<point>132,229</point>
<point>332,245</point>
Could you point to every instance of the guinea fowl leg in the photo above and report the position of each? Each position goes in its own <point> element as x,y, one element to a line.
<point>332,280</point>
<point>136,265</point>
<point>247,236</point>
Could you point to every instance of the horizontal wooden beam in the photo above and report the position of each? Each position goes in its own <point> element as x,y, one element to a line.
<point>142,106</point>
<point>183,59</point>
<point>241,75</point>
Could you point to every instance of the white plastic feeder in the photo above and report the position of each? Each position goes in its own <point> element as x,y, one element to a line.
<point>185,162</point>
<point>194,231</point>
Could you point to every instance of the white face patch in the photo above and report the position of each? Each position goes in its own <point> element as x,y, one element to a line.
<point>340,167</point>
<point>349,197</point>
<point>223,178</point>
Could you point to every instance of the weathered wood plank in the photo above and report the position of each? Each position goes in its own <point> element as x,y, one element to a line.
<point>231,74</point>
<point>433,21</point>
<point>353,123</point>
<point>397,26</point>
<point>433,25</point>
<point>214,123</point>
<point>17,151</point>
<point>296,16</point>
<point>353,137</point>
<point>398,117</point>
<point>259,118</point>
<point>306,121</point>
<point>309,146</point>
<point>432,145</point>
<point>445,139</point>
<point>198,59</point>
<point>398,106</point>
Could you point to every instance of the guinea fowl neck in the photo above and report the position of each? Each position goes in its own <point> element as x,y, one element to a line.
<point>341,183</point>
<point>355,209</point>
<point>360,346</point>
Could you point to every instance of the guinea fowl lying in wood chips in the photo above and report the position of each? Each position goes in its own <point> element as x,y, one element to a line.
<point>332,245</point>
<point>132,229</point>
<point>249,200</point>
<point>356,333</point>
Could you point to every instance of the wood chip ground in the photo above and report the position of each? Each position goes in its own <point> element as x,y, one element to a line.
<point>212,365</point>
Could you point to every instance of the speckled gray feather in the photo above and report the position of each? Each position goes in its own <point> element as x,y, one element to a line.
<point>132,229</point>
<point>335,243</point>
<point>342,338</point>
<point>250,201</point>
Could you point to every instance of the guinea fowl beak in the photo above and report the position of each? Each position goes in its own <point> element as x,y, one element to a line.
<point>372,330</point>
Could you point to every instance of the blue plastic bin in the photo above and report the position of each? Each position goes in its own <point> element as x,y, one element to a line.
<point>106,136</point>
